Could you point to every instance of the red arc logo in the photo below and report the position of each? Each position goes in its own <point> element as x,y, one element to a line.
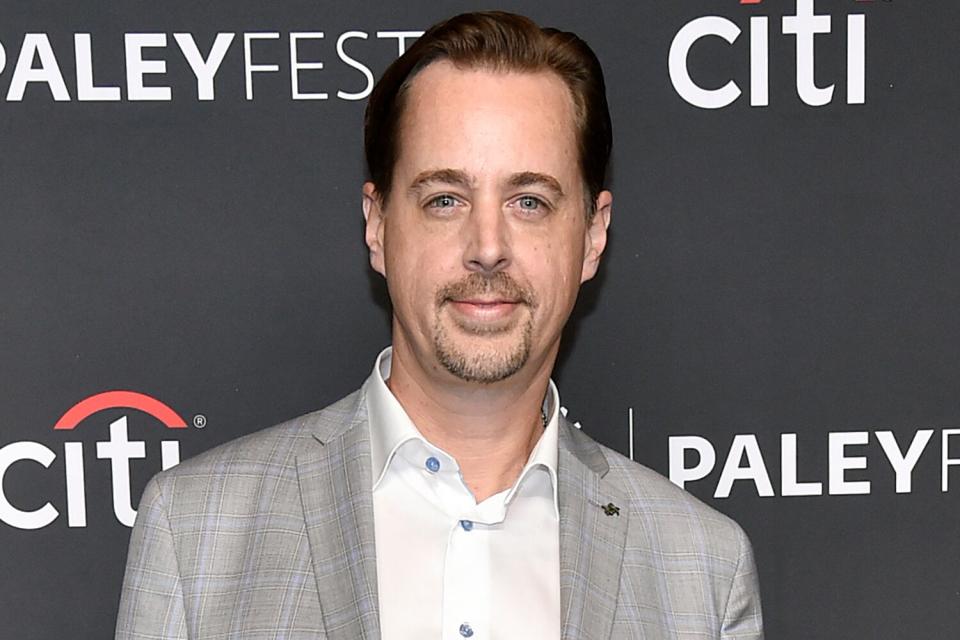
<point>120,399</point>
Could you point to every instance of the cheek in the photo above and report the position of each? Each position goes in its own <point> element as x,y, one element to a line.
<point>563,256</point>
<point>555,280</point>
<point>416,267</point>
<point>558,276</point>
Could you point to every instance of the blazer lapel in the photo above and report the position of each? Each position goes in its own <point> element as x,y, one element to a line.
<point>335,488</point>
<point>593,528</point>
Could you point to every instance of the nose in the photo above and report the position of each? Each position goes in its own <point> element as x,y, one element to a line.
<point>486,236</point>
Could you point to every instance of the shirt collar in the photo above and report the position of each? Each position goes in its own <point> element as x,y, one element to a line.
<point>390,427</point>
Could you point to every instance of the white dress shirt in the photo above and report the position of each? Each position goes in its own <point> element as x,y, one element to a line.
<point>449,568</point>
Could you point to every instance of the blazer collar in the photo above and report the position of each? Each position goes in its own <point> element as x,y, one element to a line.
<point>593,529</point>
<point>335,489</point>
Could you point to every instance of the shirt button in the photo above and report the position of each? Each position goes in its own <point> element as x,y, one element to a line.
<point>465,630</point>
<point>432,464</point>
<point>466,525</point>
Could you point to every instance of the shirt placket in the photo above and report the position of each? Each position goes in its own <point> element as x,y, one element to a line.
<point>466,582</point>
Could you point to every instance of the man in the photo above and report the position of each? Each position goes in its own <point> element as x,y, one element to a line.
<point>447,498</point>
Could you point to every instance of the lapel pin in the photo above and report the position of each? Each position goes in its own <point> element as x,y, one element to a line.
<point>610,509</point>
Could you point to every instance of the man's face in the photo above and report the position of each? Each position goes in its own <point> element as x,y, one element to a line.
<point>484,240</point>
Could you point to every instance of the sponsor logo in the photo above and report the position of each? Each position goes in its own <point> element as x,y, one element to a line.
<point>118,449</point>
<point>45,70</point>
<point>804,25</point>
<point>693,459</point>
<point>847,461</point>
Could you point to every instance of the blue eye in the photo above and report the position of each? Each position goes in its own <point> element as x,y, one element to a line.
<point>443,202</point>
<point>530,204</point>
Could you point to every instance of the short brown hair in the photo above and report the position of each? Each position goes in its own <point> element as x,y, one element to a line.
<point>503,42</point>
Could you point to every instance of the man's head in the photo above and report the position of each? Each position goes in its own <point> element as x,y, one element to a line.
<point>494,41</point>
<point>475,213</point>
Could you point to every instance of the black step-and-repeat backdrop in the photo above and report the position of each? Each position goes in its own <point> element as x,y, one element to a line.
<point>775,326</point>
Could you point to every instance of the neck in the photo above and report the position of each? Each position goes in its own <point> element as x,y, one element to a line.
<point>490,429</point>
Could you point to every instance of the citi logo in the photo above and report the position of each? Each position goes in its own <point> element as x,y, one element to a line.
<point>804,25</point>
<point>118,449</point>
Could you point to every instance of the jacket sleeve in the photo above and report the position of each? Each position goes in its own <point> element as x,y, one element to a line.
<point>742,617</point>
<point>151,602</point>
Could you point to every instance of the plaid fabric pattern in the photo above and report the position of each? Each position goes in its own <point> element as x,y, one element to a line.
<point>662,565</point>
<point>271,536</point>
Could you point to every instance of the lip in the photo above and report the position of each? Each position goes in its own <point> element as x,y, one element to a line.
<point>484,309</point>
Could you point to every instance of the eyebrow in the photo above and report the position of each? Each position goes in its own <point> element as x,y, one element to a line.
<point>532,178</point>
<point>454,177</point>
<point>460,178</point>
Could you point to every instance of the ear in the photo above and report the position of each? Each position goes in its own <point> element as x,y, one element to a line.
<point>595,238</point>
<point>373,214</point>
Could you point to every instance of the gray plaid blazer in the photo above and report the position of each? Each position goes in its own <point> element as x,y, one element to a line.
<point>271,536</point>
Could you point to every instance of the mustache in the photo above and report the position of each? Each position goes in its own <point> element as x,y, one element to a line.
<point>499,284</point>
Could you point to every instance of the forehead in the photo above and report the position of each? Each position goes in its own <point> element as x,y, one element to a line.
<point>482,120</point>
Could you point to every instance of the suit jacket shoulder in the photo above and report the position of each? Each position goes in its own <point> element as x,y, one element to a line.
<point>686,570</point>
<point>653,495</point>
<point>222,542</point>
<point>274,445</point>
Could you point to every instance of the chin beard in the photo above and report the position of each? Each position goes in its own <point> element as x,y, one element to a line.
<point>485,364</point>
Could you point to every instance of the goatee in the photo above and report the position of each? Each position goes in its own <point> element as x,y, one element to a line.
<point>490,363</point>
